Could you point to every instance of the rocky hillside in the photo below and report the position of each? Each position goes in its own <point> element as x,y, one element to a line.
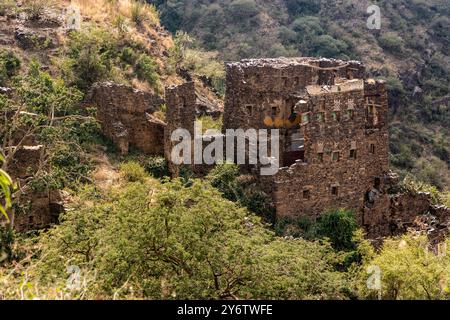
<point>59,60</point>
<point>410,51</point>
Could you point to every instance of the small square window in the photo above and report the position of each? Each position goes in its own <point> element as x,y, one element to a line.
<point>305,118</point>
<point>353,154</point>
<point>335,115</point>
<point>274,111</point>
<point>306,194</point>
<point>372,148</point>
<point>334,190</point>
<point>336,156</point>
<point>321,117</point>
<point>350,114</point>
<point>249,109</point>
<point>320,156</point>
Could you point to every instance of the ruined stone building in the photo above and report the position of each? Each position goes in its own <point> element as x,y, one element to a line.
<point>333,135</point>
<point>127,117</point>
<point>333,127</point>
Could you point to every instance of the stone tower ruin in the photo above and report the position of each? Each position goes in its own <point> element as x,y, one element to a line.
<point>333,127</point>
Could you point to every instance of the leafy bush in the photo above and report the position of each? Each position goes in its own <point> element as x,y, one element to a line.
<point>447,199</point>
<point>147,69</point>
<point>141,12</point>
<point>409,270</point>
<point>6,243</point>
<point>259,203</point>
<point>413,186</point>
<point>41,93</point>
<point>209,122</point>
<point>128,56</point>
<point>172,241</point>
<point>6,185</point>
<point>186,54</point>
<point>91,52</point>
<point>339,226</point>
<point>392,43</point>
<point>225,178</point>
<point>327,46</point>
<point>132,172</point>
<point>137,12</point>
<point>35,8</point>
<point>297,227</point>
<point>9,65</point>
<point>302,7</point>
<point>242,9</point>
<point>157,167</point>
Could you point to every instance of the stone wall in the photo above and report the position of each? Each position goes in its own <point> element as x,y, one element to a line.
<point>333,127</point>
<point>408,212</point>
<point>126,116</point>
<point>35,209</point>
<point>180,114</point>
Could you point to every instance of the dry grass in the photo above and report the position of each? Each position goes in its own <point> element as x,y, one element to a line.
<point>109,10</point>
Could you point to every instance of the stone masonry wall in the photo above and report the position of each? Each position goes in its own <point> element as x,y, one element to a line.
<point>333,127</point>
<point>38,209</point>
<point>127,117</point>
<point>180,113</point>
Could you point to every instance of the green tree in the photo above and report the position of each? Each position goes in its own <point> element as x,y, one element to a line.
<point>148,240</point>
<point>5,191</point>
<point>45,111</point>
<point>409,269</point>
<point>339,226</point>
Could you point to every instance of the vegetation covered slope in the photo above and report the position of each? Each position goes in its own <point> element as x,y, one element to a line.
<point>410,51</point>
<point>131,235</point>
<point>141,238</point>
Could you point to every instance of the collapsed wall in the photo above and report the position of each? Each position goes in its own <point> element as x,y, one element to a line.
<point>35,208</point>
<point>127,117</point>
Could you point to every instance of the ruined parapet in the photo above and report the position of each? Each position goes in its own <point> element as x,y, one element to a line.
<point>376,104</point>
<point>412,212</point>
<point>127,116</point>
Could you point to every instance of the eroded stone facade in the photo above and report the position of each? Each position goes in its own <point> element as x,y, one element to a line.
<point>127,117</point>
<point>333,126</point>
<point>334,139</point>
<point>35,208</point>
<point>180,114</point>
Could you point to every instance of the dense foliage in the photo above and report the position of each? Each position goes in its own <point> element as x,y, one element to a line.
<point>241,189</point>
<point>144,239</point>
